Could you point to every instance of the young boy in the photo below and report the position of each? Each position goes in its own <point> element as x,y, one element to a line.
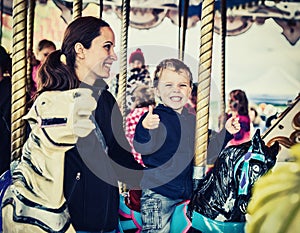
<point>165,138</point>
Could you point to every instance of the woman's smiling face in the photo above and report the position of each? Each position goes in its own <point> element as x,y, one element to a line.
<point>174,89</point>
<point>100,56</point>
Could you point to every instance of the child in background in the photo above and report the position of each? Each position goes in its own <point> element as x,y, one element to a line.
<point>45,47</point>
<point>239,107</point>
<point>165,138</point>
<point>137,75</point>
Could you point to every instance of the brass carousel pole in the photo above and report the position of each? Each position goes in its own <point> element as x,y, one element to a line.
<point>204,79</point>
<point>223,44</point>
<point>18,107</point>
<point>77,9</point>
<point>121,96</point>
<point>30,24</point>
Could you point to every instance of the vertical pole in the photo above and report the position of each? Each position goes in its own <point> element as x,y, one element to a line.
<point>100,8</point>
<point>121,96</point>
<point>77,9</point>
<point>204,79</point>
<point>223,49</point>
<point>18,77</point>
<point>1,21</point>
<point>179,28</point>
<point>30,26</point>
<point>183,36</point>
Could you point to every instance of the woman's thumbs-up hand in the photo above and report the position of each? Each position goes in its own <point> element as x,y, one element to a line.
<point>151,121</point>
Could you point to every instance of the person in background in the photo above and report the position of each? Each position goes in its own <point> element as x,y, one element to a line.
<point>256,120</point>
<point>239,107</point>
<point>44,48</point>
<point>138,75</point>
<point>144,97</point>
<point>5,110</point>
<point>94,166</point>
<point>165,138</point>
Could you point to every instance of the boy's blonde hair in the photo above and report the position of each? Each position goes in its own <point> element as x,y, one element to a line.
<point>174,65</point>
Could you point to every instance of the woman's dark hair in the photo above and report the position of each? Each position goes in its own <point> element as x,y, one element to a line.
<point>242,101</point>
<point>55,75</point>
<point>82,30</point>
<point>174,65</point>
<point>5,61</point>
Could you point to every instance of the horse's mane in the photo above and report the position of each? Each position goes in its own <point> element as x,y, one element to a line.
<point>275,206</point>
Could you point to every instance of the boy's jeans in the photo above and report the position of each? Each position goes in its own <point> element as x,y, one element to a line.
<point>156,211</point>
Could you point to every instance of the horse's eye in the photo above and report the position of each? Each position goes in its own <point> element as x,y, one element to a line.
<point>256,168</point>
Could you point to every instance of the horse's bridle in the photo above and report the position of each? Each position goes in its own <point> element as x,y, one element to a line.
<point>51,122</point>
<point>244,181</point>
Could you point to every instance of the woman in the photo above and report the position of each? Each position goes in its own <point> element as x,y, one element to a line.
<point>99,160</point>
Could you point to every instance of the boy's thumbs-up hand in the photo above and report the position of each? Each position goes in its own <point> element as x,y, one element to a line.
<point>151,121</point>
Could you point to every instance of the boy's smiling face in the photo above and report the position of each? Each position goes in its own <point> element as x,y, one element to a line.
<point>174,89</point>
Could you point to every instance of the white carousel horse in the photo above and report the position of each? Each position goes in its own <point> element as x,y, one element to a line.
<point>34,202</point>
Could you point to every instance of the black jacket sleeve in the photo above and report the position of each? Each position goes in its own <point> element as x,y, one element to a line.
<point>217,142</point>
<point>110,121</point>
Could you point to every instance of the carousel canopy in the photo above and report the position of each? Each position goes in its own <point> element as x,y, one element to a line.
<point>241,14</point>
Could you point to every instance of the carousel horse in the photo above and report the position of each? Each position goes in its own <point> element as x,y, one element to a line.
<point>220,200</point>
<point>285,130</point>
<point>219,203</point>
<point>275,206</point>
<point>34,201</point>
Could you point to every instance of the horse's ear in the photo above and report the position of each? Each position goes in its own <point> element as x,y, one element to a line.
<point>257,134</point>
<point>257,143</point>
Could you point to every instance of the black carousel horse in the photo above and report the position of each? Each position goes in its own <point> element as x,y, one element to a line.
<point>220,201</point>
